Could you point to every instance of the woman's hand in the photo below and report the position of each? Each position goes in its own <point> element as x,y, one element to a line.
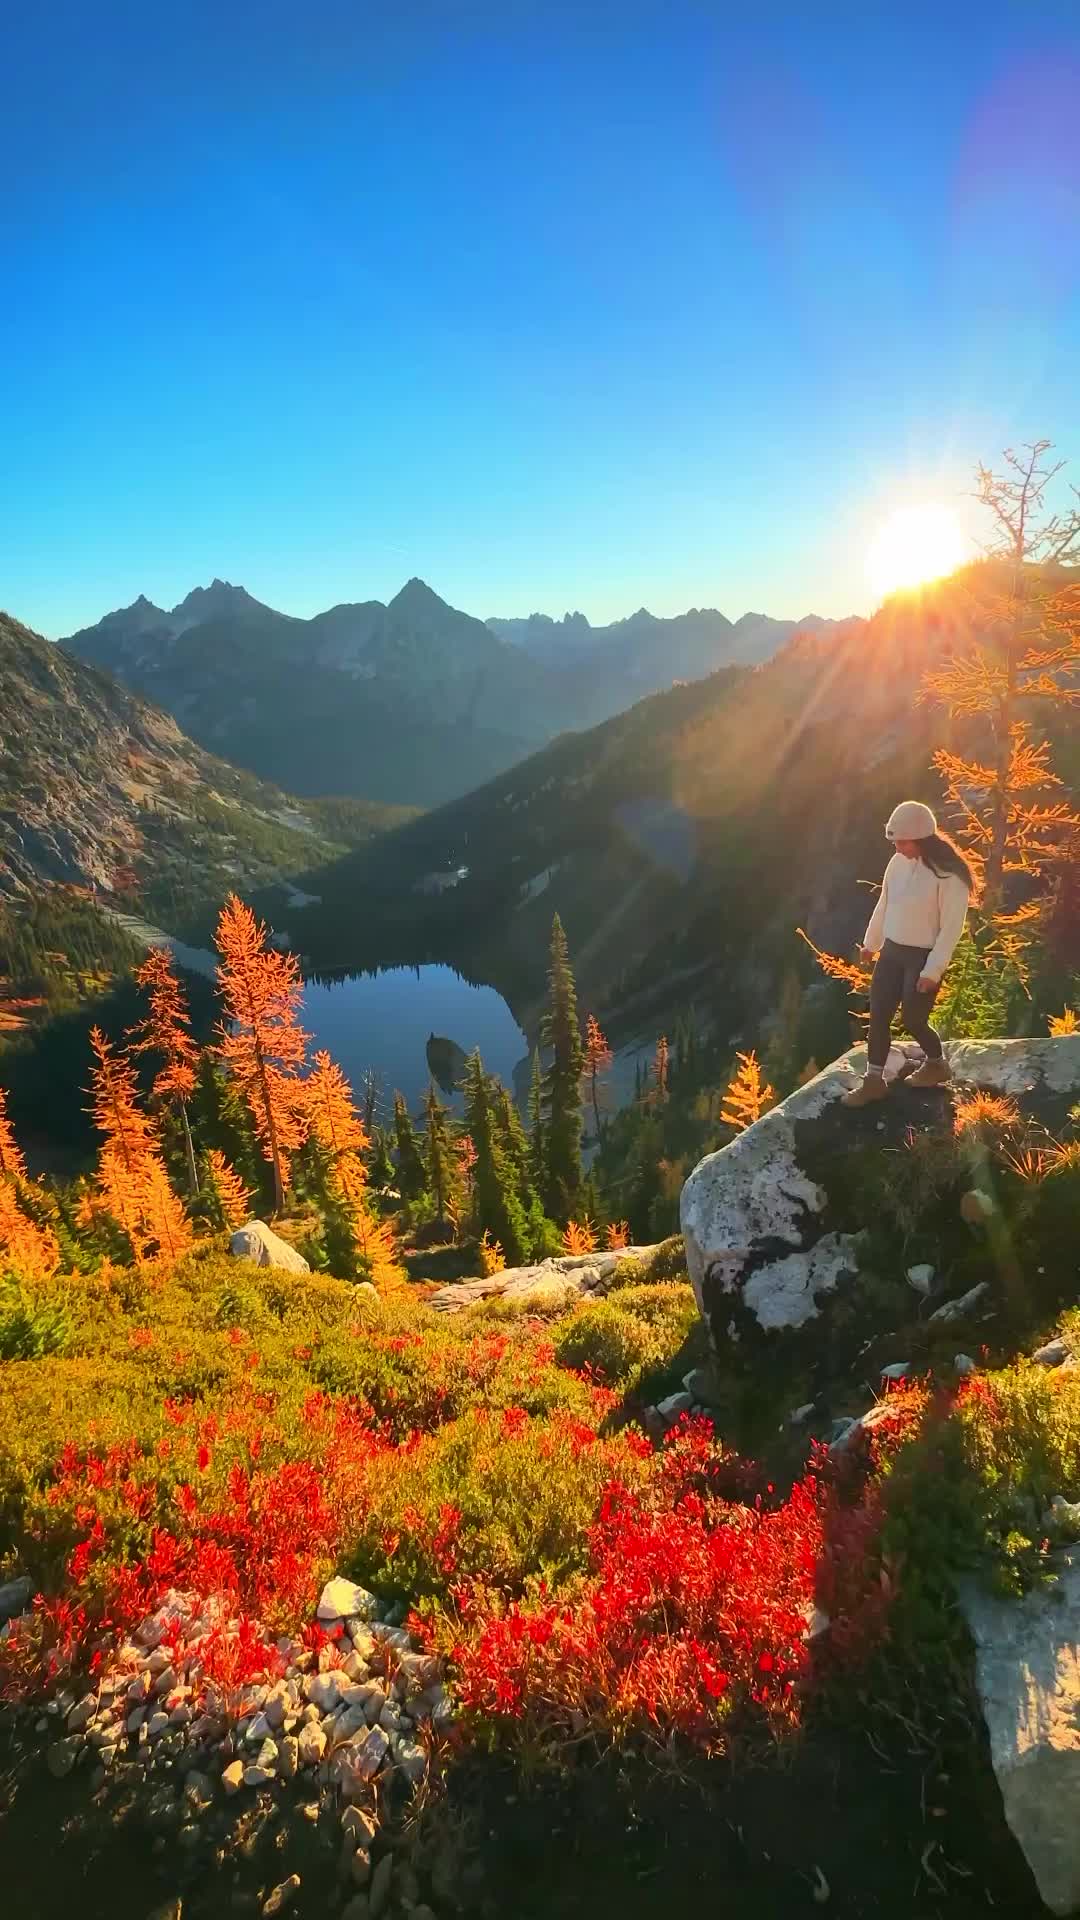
<point>924,984</point>
<point>867,956</point>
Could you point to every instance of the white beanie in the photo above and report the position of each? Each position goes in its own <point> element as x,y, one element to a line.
<point>910,821</point>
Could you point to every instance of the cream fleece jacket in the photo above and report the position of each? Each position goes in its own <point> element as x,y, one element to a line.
<point>919,908</point>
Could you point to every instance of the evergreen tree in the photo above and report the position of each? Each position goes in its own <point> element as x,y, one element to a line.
<point>537,1154</point>
<point>410,1166</point>
<point>439,1154</point>
<point>381,1169</point>
<point>497,1210</point>
<point>223,1121</point>
<point>541,1235</point>
<point>561,1034</point>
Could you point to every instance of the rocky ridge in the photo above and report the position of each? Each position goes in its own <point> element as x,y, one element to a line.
<point>99,789</point>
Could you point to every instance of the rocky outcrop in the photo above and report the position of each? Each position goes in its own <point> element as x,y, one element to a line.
<point>773,1223</point>
<point>1027,1669</point>
<point>258,1242</point>
<point>551,1283</point>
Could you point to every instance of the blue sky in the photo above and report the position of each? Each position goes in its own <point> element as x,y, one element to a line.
<point>557,305</point>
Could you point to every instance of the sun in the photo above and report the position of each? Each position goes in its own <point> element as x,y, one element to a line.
<point>913,545</point>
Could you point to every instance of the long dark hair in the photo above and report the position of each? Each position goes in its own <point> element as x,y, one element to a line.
<point>939,853</point>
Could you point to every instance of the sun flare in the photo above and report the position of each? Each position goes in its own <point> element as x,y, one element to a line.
<point>914,545</point>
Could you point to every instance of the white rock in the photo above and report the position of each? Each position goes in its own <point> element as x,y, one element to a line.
<point>157,1724</point>
<point>1053,1354</point>
<point>62,1755</point>
<point>311,1744</point>
<point>15,1597</point>
<point>799,1414</point>
<point>416,1671</point>
<point>411,1759</point>
<point>1064,1516</point>
<point>675,1405</point>
<point>964,1364</point>
<point>373,1752</point>
<point>232,1776</point>
<point>959,1309</point>
<point>1027,1669</point>
<point>896,1370</point>
<point>360,1868</point>
<point>81,1714</point>
<point>256,1776</point>
<point>288,1755</point>
<point>281,1897</point>
<point>380,1885</point>
<point>358,1827</point>
<point>374,1703</point>
<point>276,1707</point>
<point>323,1689</point>
<point>257,1242</point>
<point>921,1278</point>
<point>342,1599</point>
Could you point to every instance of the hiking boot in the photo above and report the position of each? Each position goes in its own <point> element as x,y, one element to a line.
<point>932,1073</point>
<point>868,1090</point>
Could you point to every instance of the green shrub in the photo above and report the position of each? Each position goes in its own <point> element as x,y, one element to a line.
<point>669,1260</point>
<point>32,1322</point>
<point>609,1343</point>
<point>628,1273</point>
<point>505,1500</point>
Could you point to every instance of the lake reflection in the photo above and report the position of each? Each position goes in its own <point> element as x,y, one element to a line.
<point>381,1022</point>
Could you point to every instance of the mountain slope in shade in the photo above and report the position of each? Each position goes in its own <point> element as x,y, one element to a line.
<point>99,789</point>
<point>414,701</point>
<point>409,702</point>
<point>646,652</point>
<point>682,841</point>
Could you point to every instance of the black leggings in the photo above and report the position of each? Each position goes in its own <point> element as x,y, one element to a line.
<point>894,985</point>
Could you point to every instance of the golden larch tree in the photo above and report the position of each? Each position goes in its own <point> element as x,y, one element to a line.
<point>262,1043</point>
<point>166,1031</point>
<point>598,1059</point>
<point>231,1197</point>
<point>131,1179</point>
<point>339,1130</point>
<point>1008,810</point>
<point>11,1161</point>
<point>661,1069</point>
<point>579,1236</point>
<point>748,1096</point>
<point>29,1248</point>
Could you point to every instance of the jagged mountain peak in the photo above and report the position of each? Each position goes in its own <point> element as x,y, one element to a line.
<point>416,596</point>
<point>210,603</point>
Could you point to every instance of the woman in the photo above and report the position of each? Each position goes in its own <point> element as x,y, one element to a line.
<point>913,932</point>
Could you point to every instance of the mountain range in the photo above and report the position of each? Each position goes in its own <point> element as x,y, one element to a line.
<point>412,702</point>
<point>102,791</point>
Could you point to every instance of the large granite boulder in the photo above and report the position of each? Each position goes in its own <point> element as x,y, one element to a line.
<point>775,1225</point>
<point>1027,1670</point>
<point>258,1242</point>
